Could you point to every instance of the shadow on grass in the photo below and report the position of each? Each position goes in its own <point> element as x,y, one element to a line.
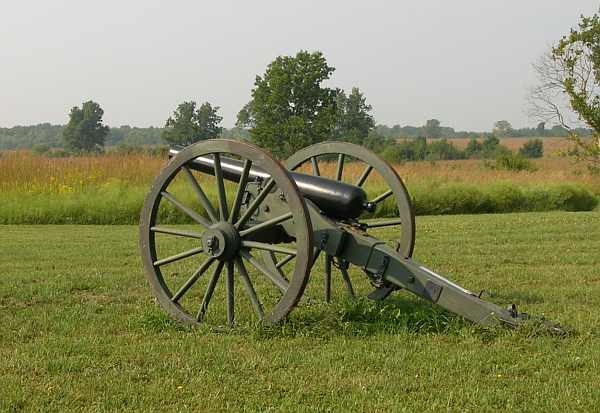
<point>350,318</point>
<point>363,317</point>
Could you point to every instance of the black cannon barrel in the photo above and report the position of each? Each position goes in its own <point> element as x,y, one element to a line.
<point>336,199</point>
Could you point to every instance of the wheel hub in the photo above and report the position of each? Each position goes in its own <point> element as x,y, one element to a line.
<point>221,241</point>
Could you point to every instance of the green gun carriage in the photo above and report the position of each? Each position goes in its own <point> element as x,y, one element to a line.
<point>259,227</point>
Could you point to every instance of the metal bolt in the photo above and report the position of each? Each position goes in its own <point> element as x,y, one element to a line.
<point>212,244</point>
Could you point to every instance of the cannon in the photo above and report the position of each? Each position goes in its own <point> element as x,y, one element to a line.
<point>227,212</point>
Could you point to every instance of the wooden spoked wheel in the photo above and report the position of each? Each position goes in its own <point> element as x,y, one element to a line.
<point>392,218</point>
<point>198,236</point>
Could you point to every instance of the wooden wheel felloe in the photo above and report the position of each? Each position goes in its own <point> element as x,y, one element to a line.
<point>384,188</point>
<point>220,242</point>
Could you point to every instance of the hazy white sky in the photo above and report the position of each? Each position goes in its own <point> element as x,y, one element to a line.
<point>465,62</point>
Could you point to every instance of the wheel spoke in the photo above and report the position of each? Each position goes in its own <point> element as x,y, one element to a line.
<point>178,257</point>
<point>315,166</point>
<point>275,278</point>
<point>239,196</point>
<point>255,203</point>
<point>220,187</point>
<point>178,232</point>
<point>340,167</point>
<point>285,261</point>
<point>190,212</point>
<point>269,259</point>
<point>192,279</point>
<point>346,278</point>
<point>383,223</point>
<point>266,224</point>
<point>363,177</point>
<point>239,263</point>
<point>201,195</point>
<point>230,293</point>
<point>382,196</point>
<point>328,260</point>
<point>209,291</point>
<point>268,247</point>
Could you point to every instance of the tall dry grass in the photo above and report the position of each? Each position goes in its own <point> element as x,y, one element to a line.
<point>111,188</point>
<point>24,171</point>
<point>27,172</point>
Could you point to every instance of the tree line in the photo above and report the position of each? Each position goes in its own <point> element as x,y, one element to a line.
<point>291,108</point>
<point>45,135</point>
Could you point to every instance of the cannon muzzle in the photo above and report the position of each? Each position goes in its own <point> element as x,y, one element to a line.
<point>335,199</point>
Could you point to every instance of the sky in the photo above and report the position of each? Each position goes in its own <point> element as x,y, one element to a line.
<point>464,62</point>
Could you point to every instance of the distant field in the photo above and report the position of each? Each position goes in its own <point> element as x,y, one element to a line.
<point>80,331</point>
<point>552,146</point>
<point>23,171</point>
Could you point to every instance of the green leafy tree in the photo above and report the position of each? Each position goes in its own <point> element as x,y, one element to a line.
<point>190,124</point>
<point>85,131</point>
<point>569,88</point>
<point>502,128</point>
<point>533,148</point>
<point>432,129</point>
<point>354,120</point>
<point>245,117</point>
<point>290,109</point>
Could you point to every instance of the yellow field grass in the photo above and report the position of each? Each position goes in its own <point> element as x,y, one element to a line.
<point>24,171</point>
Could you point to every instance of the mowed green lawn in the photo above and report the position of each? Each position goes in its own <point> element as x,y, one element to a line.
<point>80,331</point>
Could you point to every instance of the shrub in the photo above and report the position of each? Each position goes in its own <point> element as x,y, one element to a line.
<point>533,148</point>
<point>40,148</point>
<point>418,150</point>
<point>473,149</point>
<point>511,162</point>
<point>394,154</point>
<point>443,150</point>
<point>490,148</point>
<point>489,145</point>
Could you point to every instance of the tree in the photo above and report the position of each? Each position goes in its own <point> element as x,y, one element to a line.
<point>245,117</point>
<point>189,125</point>
<point>569,88</point>
<point>354,121</point>
<point>541,129</point>
<point>432,129</point>
<point>502,128</point>
<point>85,131</point>
<point>289,108</point>
<point>489,146</point>
<point>533,148</point>
<point>474,148</point>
